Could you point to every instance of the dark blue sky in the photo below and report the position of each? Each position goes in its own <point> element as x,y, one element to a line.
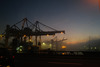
<point>79,18</point>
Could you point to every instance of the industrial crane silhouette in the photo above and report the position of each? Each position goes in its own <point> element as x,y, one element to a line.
<point>56,43</point>
<point>27,28</point>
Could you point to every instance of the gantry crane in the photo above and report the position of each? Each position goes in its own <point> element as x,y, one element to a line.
<point>27,28</point>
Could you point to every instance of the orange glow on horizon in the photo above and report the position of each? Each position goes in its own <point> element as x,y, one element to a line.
<point>99,4</point>
<point>92,2</point>
<point>76,42</point>
<point>72,42</point>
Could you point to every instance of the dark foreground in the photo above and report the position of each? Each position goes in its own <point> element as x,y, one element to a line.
<point>56,61</point>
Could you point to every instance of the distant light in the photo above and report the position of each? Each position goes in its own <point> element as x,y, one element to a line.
<point>43,43</point>
<point>17,48</point>
<point>47,34</point>
<point>63,47</point>
<point>63,53</point>
<point>61,32</point>
<point>30,40</point>
<point>21,46</point>
<point>50,45</point>
<point>95,48</point>
<point>24,35</point>
<point>1,36</point>
<point>8,66</point>
<point>20,50</point>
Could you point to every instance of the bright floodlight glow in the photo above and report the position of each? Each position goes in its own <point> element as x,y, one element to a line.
<point>43,43</point>
<point>63,47</point>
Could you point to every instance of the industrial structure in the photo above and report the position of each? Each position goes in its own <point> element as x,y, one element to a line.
<point>23,32</point>
<point>25,29</point>
<point>57,44</point>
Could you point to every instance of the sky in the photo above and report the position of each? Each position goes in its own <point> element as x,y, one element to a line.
<point>79,18</point>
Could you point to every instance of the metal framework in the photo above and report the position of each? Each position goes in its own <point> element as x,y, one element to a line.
<point>29,29</point>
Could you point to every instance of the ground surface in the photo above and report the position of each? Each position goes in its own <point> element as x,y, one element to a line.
<point>56,61</point>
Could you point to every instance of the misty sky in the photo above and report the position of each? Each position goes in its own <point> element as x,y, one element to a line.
<point>79,18</point>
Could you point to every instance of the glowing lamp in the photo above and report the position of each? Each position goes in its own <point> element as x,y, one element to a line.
<point>24,35</point>
<point>43,43</point>
<point>63,53</point>
<point>47,34</point>
<point>61,32</point>
<point>30,40</point>
<point>8,66</point>
<point>63,47</point>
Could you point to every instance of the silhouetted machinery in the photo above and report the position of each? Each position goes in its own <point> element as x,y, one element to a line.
<point>23,29</point>
<point>57,44</point>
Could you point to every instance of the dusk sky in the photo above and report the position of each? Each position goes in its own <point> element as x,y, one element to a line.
<point>79,18</point>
